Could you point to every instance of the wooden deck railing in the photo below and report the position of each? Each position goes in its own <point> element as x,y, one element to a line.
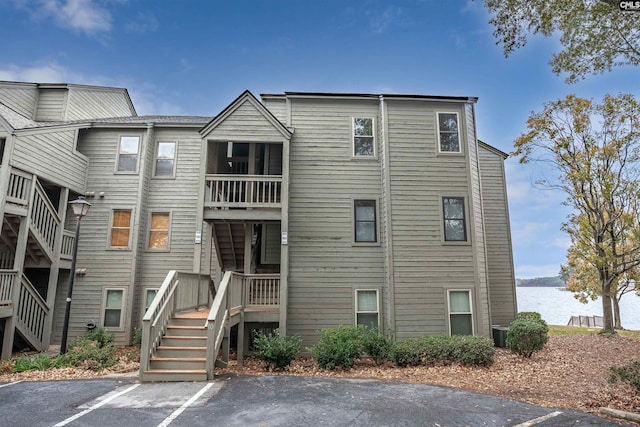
<point>31,314</point>
<point>261,290</point>
<point>7,279</point>
<point>66,250</point>
<point>242,191</point>
<point>44,219</point>
<point>19,188</point>
<point>179,291</point>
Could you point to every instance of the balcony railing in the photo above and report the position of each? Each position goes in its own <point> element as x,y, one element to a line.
<point>242,191</point>
<point>66,251</point>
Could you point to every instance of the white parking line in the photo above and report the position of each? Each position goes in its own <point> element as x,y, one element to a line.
<point>7,385</point>
<point>186,404</point>
<point>539,419</point>
<point>94,407</point>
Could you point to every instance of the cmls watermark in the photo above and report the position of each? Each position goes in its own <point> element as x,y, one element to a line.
<point>630,6</point>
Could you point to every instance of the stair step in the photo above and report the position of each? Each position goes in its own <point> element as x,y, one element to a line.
<point>177,363</point>
<point>174,375</point>
<point>183,341</point>
<point>186,331</point>
<point>180,352</point>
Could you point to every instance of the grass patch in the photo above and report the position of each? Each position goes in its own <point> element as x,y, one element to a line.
<point>577,330</point>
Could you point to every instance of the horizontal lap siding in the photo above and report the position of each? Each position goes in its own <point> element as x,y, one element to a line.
<point>22,99</point>
<point>92,103</point>
<point>422,265</point>
<point>499,256</point>
<point>51,104</point>
<point>246,123</point>
<point>37,153</point>
<point>324,266</point>
<point>278,108</point>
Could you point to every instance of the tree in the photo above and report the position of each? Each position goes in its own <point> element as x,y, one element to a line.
<point>595,150</point>
<point>595,35</point>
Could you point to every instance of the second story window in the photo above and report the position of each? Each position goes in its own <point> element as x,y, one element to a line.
<point>165,160</point>
<point>120,229</point>
<point>128,150</point>
<point>448,133</point>
<point>159,230</point>
<point>363,140</point>
<point>365,221</point>
<point>453,214</point>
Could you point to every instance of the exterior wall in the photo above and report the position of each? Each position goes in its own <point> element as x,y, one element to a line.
<point>498,235</point>
<point>247,121</point>
<point>51,104</point>
<point>423,266</point>
<point>325,267</point>
<point>85,103</point>
<point>278,107</point>
<point>21,98</point>
<point>36,151</point>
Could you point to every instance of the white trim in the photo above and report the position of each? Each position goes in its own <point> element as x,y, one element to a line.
<point>150,219</point>
<point>105,291</point>
<point>156,158</point>
<point>376,201</point>
<point>374,140</point>
<point>110,228</point>
<point>117,163</point>
<point>438,142</point>
<point>355,308</point>
<point>470,312</point>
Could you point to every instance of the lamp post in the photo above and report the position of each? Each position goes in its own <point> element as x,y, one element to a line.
<point>80,208</point>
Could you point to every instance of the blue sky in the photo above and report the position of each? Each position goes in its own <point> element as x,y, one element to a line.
<point>194,57</point>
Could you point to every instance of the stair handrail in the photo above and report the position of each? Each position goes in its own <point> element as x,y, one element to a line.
<point>19,187</point>
<point>44,217</point>
<point>217,321</point>
<point>7,279</point>
<point>31,313</point>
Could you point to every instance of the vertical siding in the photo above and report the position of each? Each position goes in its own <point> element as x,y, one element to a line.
<point>21,98</point>
<point>424,267</point>
<point>85,103</point>
<point>324,266</point>
<point>36,152</point>
<point>498,235</point>
<point>51,104</point>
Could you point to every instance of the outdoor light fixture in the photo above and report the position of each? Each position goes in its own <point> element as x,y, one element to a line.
<point>80,208</point>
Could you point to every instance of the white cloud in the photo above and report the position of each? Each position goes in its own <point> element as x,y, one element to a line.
<point>146,22</point>
<point>529,271</point>
<point>79,15</point>
<point>44,73</point>
<point>562,242</point>
<point>528,232</point>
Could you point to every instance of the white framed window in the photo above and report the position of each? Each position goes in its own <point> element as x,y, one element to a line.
<point>448,132</point>
<point>365,221</point>
<point>460,312</point>
<point>159,231</point>
<point>113,308</point>
<point>165,164</point>
<point>120,229</point>
<point>363,137</point>
<point>128,150</point>
<point>454,219</point>
<point>149,295</point>
<point>368,308</point>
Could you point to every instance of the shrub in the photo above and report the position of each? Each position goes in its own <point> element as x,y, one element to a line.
<point>101,336</point>
<point>472,350</point>
<point>526,336</point>
<point>376,344</point>
<point>629,373</point>
<point>338,347</point>
<point>137,336</point>
<point>276,350</point>
<point>38,362</point>
<point>89,354</point>
<point>533,315</point>
<point>408,352</point>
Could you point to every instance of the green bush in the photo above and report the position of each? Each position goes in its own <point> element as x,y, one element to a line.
<point>101,336</point>
<point>38,362</point>
<point>526,336</point>
<point>472,350</point>
<point>408,352</point>
<point>376,344</point>
<point>338,347</point>
<point>533,315</point>
<point>137,336</point>
<point>629,374</point>
<point>276,350</point>
<point>88,353</point>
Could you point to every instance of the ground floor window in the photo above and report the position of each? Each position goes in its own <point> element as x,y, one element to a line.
<point>149,295</point>
<point>113,311</point>
<point>367,308</point>
<point>460,313</point>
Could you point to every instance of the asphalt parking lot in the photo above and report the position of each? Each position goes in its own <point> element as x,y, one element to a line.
<point>267,401</point>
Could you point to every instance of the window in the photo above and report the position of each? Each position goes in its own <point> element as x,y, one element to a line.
<point>149,295</point>
<point>159,230</point>
<point>128,153</point>
<point>363,141</point>
<point>460,314</point>
<point>367,308</point>
<point>120,228</point>
<point>365,230</point>
<point>113,312</point>
<point>448,135</point>
<point>165,159</point>
<point>2,145</point>
<point>453,214</point>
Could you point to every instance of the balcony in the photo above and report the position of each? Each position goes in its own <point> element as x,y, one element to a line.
<point>259,196</point>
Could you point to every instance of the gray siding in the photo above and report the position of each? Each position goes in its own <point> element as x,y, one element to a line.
<point>498,234</point>
<point>20,97</point>
<point>278,107</point>
<point>325,267</point>
<point>37,151</point>
<point>87,103</point>
<point>51,104</point>
<point>423,266</point>
<point>245,124</point>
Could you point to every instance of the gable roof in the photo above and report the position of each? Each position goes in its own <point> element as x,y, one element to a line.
<point>246,97</point>
<point>493,149</point>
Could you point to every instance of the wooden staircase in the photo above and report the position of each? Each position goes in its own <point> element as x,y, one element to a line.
<point>181,355</point>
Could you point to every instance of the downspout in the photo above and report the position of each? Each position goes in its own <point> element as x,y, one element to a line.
<point>386,215</point>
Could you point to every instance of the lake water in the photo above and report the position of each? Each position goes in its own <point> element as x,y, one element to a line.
<point>557,306</point>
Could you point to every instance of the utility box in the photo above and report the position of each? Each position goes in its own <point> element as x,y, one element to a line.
<point>500,335</point>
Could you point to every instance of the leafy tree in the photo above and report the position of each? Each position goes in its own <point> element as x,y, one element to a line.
<point>595,149</point>
<point>595,35</point>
